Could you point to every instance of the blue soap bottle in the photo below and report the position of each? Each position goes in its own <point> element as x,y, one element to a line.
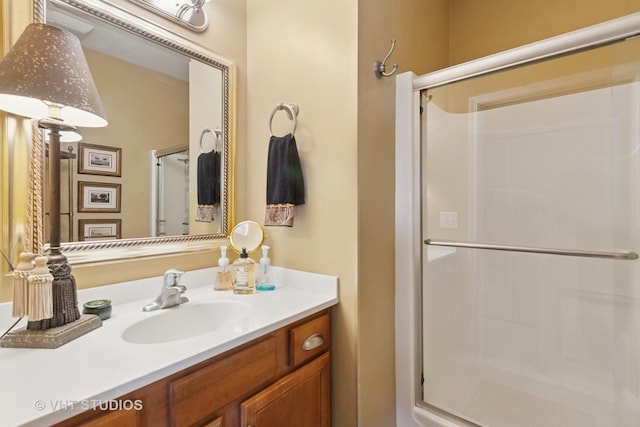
<point>265,281</point>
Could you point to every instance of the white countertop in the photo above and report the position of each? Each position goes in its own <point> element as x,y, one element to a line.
<point>44,386</point>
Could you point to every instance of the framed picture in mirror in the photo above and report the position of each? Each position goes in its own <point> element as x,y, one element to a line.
<point>99,160</point>
<point>98,197</point>
<point>99,229</point>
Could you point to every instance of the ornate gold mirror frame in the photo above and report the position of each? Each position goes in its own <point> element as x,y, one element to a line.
<point>84,252</point>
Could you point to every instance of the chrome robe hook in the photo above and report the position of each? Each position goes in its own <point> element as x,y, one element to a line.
<point>380,66</point>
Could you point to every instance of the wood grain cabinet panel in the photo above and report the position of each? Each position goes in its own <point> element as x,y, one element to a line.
<point>301,398</point>
<point>218,422</point>
<point>120,418</point>
<point>198,395</point>
<point>273,381</point>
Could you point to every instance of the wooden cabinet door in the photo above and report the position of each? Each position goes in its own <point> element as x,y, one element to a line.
<point>197,396</point>
<point>116,418</point>
<point>302,398</point>
<point>218,422</point>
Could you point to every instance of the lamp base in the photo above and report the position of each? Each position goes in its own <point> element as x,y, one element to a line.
<point>51,338</point>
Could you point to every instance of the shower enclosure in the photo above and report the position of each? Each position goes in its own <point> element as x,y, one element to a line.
<point>518,279</point>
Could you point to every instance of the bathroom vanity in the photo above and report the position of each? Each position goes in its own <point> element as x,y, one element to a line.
<point>271,379</point>
<point>267,365</point>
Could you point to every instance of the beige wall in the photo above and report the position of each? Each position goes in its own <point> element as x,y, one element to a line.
<point>5,231</point>
<point>420,28</point>
<point>306,52</point>
<point>320,55</point>
<point>480,28</point>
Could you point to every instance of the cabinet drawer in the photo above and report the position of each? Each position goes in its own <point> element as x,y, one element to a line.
<point>309,339</point>
<point>197,396</point>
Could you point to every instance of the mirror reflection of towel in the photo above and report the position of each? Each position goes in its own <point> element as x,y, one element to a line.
<point>285,182</point>
<point>208,185</point>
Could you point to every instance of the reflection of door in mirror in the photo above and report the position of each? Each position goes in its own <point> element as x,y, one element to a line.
<point>170,189</point>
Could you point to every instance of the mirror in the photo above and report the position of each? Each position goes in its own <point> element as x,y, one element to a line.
<point>246,234</point>
<point>130,189</point>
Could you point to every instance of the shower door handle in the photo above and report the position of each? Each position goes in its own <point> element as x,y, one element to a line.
<point>629,256</point>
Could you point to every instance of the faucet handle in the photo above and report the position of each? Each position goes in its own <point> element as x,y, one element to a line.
<point>172,277</point>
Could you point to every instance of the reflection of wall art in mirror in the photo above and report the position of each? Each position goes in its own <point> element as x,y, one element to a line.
<point>99,160</point>
<point>98,197</point>
<point>99,229</point>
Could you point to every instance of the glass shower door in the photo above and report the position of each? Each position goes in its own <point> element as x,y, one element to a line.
<point>540,162</point>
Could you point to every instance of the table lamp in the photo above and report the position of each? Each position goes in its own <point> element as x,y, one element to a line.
<point>45,76</point>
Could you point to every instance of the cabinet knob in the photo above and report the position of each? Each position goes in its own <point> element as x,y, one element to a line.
<point>313,341</point>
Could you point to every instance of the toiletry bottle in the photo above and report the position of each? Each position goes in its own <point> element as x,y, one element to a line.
<point>245,280</point>
<point>265,282</point>
<point>223,276</point>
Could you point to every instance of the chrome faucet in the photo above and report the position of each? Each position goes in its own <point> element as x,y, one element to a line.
<point>171,293</point>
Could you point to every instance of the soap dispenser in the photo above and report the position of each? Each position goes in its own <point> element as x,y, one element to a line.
<point>223,276</point>
<point>265,282</point>
<point>245,280</point>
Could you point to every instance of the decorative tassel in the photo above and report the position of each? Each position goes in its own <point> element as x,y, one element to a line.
<point>20,284</point>
<point>40,291</point>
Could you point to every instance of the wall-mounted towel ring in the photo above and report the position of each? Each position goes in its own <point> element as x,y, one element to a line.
<point>292,111</point>
<point>216,132</point>
<point>380,66</point>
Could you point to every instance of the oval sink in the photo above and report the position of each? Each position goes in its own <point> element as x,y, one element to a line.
<point>184,321</point>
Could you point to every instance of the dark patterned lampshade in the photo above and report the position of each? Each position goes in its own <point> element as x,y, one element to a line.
<point>46,67</point>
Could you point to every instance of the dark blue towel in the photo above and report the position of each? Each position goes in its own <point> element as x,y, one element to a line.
<point>209,178</point>
<point>285,183</point>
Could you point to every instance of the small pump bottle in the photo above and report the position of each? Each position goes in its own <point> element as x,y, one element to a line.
<point>245,280</point>
<point>223,276</point>
<point>265,282</point>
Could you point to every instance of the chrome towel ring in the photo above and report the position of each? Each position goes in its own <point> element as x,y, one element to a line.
<point>292,111</point>
<point>216,132</point>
